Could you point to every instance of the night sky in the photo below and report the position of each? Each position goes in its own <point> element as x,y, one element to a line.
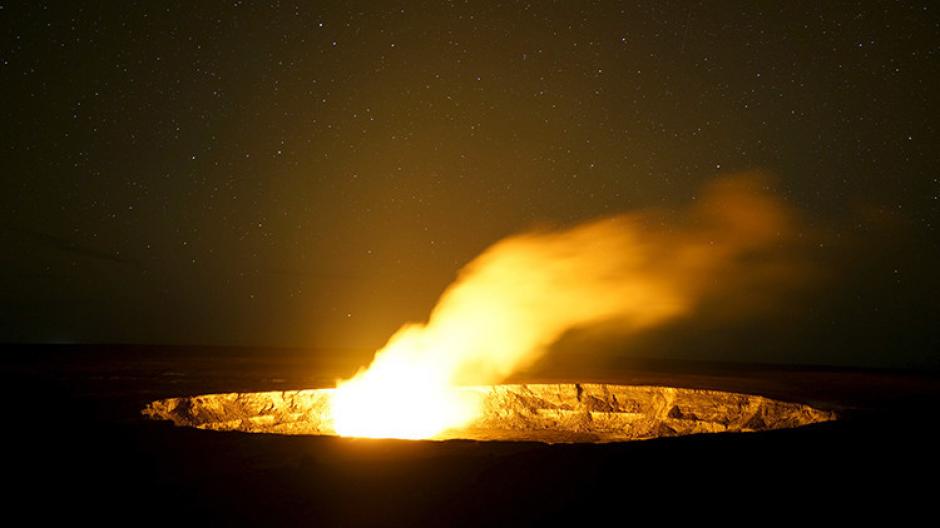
<point>314,174</point>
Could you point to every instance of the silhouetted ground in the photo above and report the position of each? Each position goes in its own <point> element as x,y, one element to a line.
<point>78,451</point>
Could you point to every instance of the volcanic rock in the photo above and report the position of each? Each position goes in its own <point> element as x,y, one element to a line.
<point>545,412</point>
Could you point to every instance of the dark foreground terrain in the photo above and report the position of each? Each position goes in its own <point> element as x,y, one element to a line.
<point>78,451</point>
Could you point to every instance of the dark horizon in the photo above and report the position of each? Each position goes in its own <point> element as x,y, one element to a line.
<point>352,358</point>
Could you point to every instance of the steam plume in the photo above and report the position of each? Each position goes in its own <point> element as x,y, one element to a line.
<point>518,297</point>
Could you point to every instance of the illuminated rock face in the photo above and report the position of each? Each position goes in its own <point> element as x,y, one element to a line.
<point>549,412</point>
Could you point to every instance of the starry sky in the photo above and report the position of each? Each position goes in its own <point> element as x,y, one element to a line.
<point>313,174</point>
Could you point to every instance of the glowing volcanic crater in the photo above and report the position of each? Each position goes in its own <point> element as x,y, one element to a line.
<point>509,304</point>
<point>553,413</point>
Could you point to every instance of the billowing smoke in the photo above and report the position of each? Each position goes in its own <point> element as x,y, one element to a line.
<point>512,302</point>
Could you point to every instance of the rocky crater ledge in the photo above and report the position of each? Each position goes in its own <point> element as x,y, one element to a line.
<point>553,413</point>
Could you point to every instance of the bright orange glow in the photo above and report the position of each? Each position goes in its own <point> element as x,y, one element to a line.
<point>400,396</point>
<point>517,298</point>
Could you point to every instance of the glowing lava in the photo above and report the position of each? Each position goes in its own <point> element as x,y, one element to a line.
<point>395,400</point>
